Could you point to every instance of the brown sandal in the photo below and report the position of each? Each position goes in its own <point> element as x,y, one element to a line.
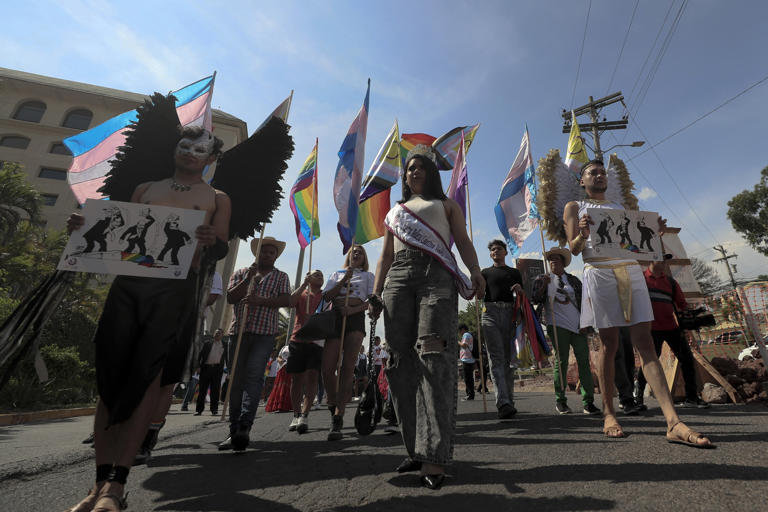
<point>115,503</point>
<point>614,431</point>
<point>690,437</point>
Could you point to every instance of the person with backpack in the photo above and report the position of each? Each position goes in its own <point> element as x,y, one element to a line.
<point>666,295</point>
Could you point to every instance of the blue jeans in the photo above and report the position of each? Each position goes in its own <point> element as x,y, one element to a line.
<point>498,334</point>
<point>249,378</point>
<point>420,323</point>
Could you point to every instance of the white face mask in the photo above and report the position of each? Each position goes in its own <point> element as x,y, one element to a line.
<point>199,148</point>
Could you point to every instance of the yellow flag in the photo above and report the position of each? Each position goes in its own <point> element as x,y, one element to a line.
<point>576,156</point>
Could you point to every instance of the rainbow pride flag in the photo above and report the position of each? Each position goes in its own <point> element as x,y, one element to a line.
<point>303,201</point>
<point>448,144</point>
<point>93,149</point>
<point>410,140</point>
<point>374,198</point>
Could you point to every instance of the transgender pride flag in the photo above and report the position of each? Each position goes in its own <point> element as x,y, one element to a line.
<point>93,149</point>
<point>349,175</point>
<point>516,212</point>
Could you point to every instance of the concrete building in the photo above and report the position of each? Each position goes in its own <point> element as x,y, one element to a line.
<point>37,112</point>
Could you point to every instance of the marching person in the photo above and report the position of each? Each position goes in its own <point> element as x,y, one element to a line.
<point>211,367</point>
<point>466,344</point>
<point>418,279</point>
<point>615,295</point>
<point>271,291</point>
<point>356,282</point>
<point>140,340</point>
<point>666,295</point>
<point>560,292</point>
<point>306,357</point>
<point>498,323</point>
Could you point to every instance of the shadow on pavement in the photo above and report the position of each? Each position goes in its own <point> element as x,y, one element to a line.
<point>470,501</point>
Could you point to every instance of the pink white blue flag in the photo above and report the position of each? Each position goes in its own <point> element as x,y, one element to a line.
<point>516,212</point>
<point>349,174</point>
<point>93,149</point>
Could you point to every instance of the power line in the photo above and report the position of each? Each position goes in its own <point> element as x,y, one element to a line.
<point>621,52</point>
<point>646,85</point>
<point>674,182</point>
<point>581,53</point>
<point>762,80</point>
<point>650,52</point>
<point>664,202</point>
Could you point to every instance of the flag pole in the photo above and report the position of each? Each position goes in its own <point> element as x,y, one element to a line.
<point>312,215</point>
<point>343,328</point>
<point>241,330</point>
<point>477,308</point>
<point>292,317</point>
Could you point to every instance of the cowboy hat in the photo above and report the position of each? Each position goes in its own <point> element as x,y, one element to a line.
<point>563,252</point>
<point>268,240</point>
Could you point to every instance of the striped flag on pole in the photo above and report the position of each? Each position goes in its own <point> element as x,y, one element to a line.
<point>303,201</point>
<point>349,174</point>
<point>457,189</point>
<point>93,149</point>
<point>516,212</point>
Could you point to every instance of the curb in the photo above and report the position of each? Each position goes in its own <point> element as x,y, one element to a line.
<point>53,414</point>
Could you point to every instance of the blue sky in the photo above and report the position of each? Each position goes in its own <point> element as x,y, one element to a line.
<point>437,65</point>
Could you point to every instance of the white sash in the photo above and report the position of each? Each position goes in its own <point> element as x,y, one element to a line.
<point>411,229</point>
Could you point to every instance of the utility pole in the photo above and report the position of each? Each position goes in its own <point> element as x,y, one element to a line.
<point>725,258</point>
<point>593,109</point>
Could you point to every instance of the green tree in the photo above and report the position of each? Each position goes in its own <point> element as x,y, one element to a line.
<point>468,316</point>
<point>708,279</point>
<point>19,202</point>
<point>748,213</point>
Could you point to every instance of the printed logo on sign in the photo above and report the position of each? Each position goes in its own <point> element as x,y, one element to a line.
<point>177,273</point>
<point>72,261</point>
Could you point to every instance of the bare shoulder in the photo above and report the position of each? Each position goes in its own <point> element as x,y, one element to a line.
<point>571,208</point>
<point>222,198</point>
<point>140,190</point>
<point>450,206</point>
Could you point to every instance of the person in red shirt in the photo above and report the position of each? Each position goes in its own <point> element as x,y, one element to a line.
<point>666,295</point>
<point>306,356</point>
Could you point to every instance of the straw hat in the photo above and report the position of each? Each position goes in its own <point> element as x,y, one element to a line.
<point>268,240</point>
<point>563,252</point>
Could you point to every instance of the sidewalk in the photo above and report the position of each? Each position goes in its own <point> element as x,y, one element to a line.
<point>30,448</point>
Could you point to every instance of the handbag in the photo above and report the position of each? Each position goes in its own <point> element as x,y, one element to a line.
<point>319,326</point>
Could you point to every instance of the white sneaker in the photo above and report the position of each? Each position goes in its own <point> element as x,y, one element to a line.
<point>294,424</point>
<point>303,425</point>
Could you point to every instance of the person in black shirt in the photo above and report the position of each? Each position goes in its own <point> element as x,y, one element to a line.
<point>498,323</point>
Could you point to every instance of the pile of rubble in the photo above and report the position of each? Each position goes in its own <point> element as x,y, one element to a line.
<point>748,377</point>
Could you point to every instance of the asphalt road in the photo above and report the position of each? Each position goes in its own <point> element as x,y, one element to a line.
<point>538,461</point>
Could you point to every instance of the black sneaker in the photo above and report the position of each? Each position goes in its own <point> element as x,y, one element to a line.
<point>562,408</point>
<point>629,408</point>
<point>506,411</point>
<point>640,406</point>
<point>337,422</point>
<point>467,398</point>
<point>184,408</point>
<point>240,439</point>
<point>591,409</point>
<point>701,404</point>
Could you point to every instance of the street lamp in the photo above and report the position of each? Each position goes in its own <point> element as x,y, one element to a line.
<point>635,144</point>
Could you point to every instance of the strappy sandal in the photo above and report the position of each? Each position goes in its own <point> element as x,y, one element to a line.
<point>691,436</point>
<point>87,503</point>
<point>614,431</point>
<point>116,503</point>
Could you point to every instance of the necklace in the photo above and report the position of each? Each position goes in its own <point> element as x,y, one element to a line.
<point>599,201</point>
<point>178,187</point>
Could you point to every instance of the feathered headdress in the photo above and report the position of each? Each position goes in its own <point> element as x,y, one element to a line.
<point>558,186</point>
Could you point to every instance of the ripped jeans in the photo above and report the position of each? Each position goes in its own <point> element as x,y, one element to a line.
<point>420,325</point>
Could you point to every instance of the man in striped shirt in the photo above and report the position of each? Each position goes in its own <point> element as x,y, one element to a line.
<point>259,309</point>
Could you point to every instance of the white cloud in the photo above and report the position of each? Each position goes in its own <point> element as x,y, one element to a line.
<point>646,193</point>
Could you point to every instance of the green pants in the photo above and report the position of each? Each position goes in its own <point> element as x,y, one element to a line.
<point>567,339</point>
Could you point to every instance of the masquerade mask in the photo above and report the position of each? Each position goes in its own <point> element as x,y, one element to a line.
<point>199,148</point>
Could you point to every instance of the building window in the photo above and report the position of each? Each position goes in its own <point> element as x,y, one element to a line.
<point>31,111</point>
<point>60,149</point>
<point>79,119</point>
<point>49,199</point>
<point>14,141</point>
<point>52,174</point>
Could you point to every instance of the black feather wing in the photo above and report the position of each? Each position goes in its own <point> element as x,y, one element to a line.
<point>148,153</point>
<point>250,175</point>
